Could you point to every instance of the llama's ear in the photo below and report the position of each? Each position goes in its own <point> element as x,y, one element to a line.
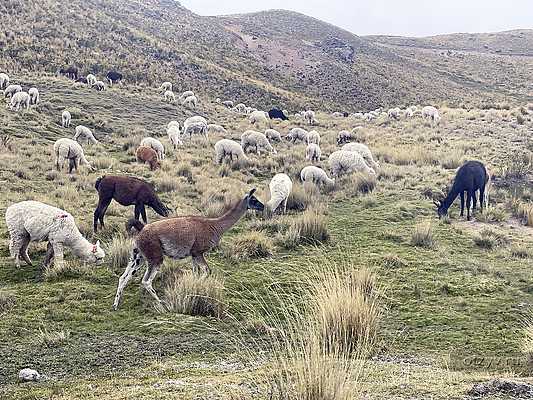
<point>252,192</point>
<point>97,243</point>
<point>438,203</point>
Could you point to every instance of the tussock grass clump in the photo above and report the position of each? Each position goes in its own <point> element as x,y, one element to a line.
<point>7,301</point>
<point>423,235</point>
<point>527,347</point>
<point>524,211</point>
<point>520,251</point>
<point>346,310</point>
<point>492,214</point>
<point>190,294</point>
<point>53,338</point>
<point>102,162</point>
<point>362,183</point>
<point>489,239</point>
<point>309,228</point>
<point>184,170</point>
<point>518,165</point>
<point>167,184</point>
<point>299,199</point>
<point>250,245</point>
<point>392,261</point>
<point>451,160</point>
<point>119,251</point>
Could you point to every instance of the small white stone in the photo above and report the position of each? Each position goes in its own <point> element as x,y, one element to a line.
<point>28,375</point>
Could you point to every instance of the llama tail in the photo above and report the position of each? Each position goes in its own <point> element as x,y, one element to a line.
<point>98,181</point>
<point>488,187</point>
<point>135,224</point>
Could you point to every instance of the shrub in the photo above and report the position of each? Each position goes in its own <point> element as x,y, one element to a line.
<point>520,251</point>
<point>517,165</point>
<point>492,214</point>
<point>423,235</point>
<point>489,239</point>
<point>250,245</point>
<point>188,293</point>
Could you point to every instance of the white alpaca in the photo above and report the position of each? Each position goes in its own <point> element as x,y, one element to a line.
<point>34,95</point>
<point>310,117</point>
<point>85,134</point>
<point>184,95</point>
<point>342,161</point>
<point>174,135</point>
<point>228,148</point>
<point>256,140</point>
<point>214,128</point>
<point>65,119</point>
<point>156,145</point>
<point>313,137</point>
<point>364,151</point>
<point>431,113</point>
<point>296,134</point>
<point>280,189</point>
<point>32,221</point>
<point>20,99</point>
<point>91,80</point>
<point>165,86</point>
<point>273,135</point>
<point>315,175</point>
<point>190,102</point>
<point>169,96</point>
<point>4,80</point>
<point>68,149</point>
<point>10,90</point>
<point>313,152</point>
<point>258,117</point>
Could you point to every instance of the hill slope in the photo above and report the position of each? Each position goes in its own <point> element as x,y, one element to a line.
<point>274,57</point>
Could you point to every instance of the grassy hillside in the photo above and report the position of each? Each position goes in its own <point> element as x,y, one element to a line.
<point>454,300</point>
<point>268,58</point>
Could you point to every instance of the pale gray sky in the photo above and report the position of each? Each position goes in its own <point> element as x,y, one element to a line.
<point>392,17</point>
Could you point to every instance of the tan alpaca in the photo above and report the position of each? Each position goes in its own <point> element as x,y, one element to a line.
<point>178,238</point>
<point>148,156</point>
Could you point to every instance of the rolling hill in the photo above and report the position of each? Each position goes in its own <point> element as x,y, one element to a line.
<point>268,58</point>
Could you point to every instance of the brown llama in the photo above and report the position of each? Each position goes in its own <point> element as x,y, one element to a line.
<point>178,238</point>
<point>126,191</point>
<point>147,155</point>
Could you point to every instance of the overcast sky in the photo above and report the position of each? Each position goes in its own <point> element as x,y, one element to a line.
<point>392,17</point>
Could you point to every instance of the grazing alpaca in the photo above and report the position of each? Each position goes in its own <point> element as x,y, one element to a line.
<point>147,155</point>
<point>471,177</point>
<point>178,238</point>
<point>32,221</point>
<point>126,191</point>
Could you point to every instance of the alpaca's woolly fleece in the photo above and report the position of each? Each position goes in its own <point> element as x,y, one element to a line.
<point>228,148</point>
<point>20,99</point>
<point>364,151</point>
<point>10,90</point>
<point>296,134</point>
<point>99,85</point>
<point>309,117</point>
<point>156,145</point>
<point>313,137</point>
<point>32,221</point>
<point>394,113</point>
<point>280,189</point>
<point>240,108</point>
<point>169,96</point>
<point>431,113</point>
<point>214,128</point>
<point>147,155</point>
<point>342,161</point>
<point>68,149</point>
<point>344,137</point>
<point>34,95</point>
<point>258,117</point>
<point>273,135</point>
<point>256,140</point>
<point>84,134</point>
<point>174,135</point>
<point>185,95</point>
<point>315,175</point>
<point>190,102</point>
<point>4,80</point>
<point>91,79</point>
<point>227,103</point>
<point>313,152</point>
<point>165,86</point>
<point>65,119</point>
<point>173,123</point>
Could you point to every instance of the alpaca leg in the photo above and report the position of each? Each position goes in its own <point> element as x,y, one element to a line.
<point>482,198</point>
<point>49,256</point>
<point>462,204</point>
<point>148,278</point>
<point>15,245</point>
<point>24,250</point>
<point>134,264</point>
<point>58,255</point>
<point>199,262</point>
<point>474,202</point>
<point>100,211</point>
<point>285,205</point>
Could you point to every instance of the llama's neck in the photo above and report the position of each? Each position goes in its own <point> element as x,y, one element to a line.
<point>452,195</point>
<point>230,218</point>
<point>274,203</point>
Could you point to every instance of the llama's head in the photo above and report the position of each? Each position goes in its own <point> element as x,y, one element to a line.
<point>442,210</point>
<point>95,255</point>
<point>252,202</point>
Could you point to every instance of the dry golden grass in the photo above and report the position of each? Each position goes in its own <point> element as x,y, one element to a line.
<point>250,245</point>
<point>527,346</point>
<point>53,338</point>
<point>118,252</point>
<point>423,235</point>
<point>188,293</point>
<point>309,228</point>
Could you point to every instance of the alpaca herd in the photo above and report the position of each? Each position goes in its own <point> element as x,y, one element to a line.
<point>184,236</point>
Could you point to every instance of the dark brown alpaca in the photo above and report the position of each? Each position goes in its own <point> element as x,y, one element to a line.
<point>178,238</point>
<point>126,191</point>
<point>148,156</point>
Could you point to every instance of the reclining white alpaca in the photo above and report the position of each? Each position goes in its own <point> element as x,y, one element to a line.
<point>32,221</point>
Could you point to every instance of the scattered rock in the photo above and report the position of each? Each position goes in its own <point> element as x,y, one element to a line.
<point>29,375</point>
<point>499,386</point>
